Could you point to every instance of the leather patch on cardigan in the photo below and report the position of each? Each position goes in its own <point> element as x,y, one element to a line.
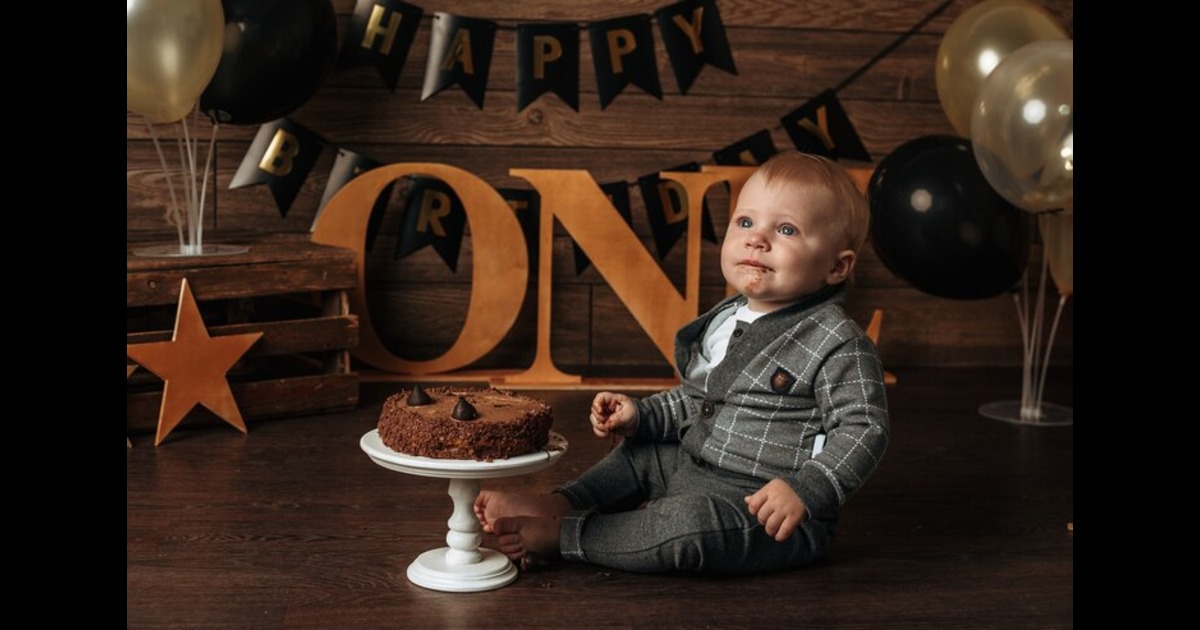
<point>781,381</point>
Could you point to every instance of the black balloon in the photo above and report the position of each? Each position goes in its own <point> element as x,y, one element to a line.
<point>939,225</point>
<point>277,53</point>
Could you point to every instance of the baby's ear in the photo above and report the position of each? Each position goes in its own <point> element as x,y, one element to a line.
<point>843,264</point>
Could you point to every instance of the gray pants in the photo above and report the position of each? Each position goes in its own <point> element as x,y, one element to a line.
<point>650,507</point>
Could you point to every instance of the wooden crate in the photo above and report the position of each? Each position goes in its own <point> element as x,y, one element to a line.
<point>291,290</point>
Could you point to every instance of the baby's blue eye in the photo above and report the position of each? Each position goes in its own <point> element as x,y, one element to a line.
<point>787,230</point>
<point>744,222</point>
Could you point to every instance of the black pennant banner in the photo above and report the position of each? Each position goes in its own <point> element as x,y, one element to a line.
<point>623,53</point>
<point>381,32</point>
<point>618,195</point>
<point>547,61</point>
<point>433,215</point>
<point>460,51</point>
<point>749,151</point>
<point>667,209</point>
<point>346,167</point>
<point>281,156</point>
<point>821,126</point>
<point>526,204</point>
<point>693,35</point>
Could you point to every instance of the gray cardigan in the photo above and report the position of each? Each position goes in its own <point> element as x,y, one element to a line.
<point>796,372</point>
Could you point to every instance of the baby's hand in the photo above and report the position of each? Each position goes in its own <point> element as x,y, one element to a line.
<point>613,413</point>
<point>778,508</point>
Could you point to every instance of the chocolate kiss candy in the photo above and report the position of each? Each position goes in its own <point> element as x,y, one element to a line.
<point>418,397</point>
<point>464,410</point>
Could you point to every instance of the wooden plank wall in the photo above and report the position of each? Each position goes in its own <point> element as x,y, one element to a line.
<point>786,53</point>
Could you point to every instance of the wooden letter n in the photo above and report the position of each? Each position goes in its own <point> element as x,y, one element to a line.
<point>574,198</point>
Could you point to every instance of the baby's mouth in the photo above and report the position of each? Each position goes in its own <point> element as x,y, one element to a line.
<point>753,264</point>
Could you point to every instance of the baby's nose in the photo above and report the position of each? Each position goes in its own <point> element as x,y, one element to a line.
<point>757,240</point>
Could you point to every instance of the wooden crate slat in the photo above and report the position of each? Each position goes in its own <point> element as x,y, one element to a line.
<point>162,287</point>
<point>300,335</point>
<point>269,268</point>
<point>257,400</point>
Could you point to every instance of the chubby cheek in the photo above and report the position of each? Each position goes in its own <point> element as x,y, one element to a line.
<point>728,259</point>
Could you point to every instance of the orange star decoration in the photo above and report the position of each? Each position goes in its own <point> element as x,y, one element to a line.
<point>193,366</point>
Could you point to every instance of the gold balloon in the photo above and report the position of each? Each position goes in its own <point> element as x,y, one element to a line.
<point>1022,127</point>
<point>977,42</point>
<point>1058,242</point>
<point>172,51</point>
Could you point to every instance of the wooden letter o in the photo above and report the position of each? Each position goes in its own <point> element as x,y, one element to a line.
<point>499,273</point>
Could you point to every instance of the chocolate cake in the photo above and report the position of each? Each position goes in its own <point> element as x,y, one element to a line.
<point>478,424</point>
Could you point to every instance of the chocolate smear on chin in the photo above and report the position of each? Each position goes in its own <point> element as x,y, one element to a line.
<point>418,397</point>
<point>464,410</point>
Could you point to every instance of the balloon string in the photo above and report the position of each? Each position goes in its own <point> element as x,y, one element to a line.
<point>197,191</point>
<point>172,213</point>
<point>1041,389</point>
<point>1036,346</point>
<point>1027,375</point>
<point>1023,319</point>
<point>193,197</point>
<point>1027,362</point>
<point>893,46</point>
<point>187,195</point>
<point>212,141</point>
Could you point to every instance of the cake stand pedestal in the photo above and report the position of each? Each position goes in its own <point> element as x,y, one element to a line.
<point>462,567</point>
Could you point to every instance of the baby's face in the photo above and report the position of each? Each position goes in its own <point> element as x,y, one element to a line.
<point>783,243</point>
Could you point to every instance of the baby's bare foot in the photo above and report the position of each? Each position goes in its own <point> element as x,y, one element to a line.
<point>516,536</point>
<point>490,506</point>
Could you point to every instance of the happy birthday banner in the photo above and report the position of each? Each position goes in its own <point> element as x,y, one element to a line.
<point>381,32</point>
<point>284,152</point>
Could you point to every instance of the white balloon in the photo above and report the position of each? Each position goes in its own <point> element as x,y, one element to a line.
<point>1022,129</point>
<point>172,51</point>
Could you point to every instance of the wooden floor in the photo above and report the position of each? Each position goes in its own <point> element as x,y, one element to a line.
<point>964,525</point>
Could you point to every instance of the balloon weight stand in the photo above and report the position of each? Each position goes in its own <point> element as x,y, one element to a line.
<point>1030,410</point>
<point>173,251</point>
<point>1044,415</point>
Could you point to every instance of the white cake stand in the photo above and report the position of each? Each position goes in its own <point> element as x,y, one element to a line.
<point>462,567</point>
